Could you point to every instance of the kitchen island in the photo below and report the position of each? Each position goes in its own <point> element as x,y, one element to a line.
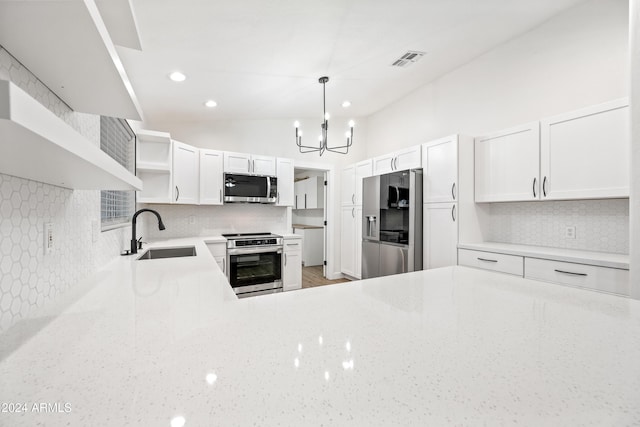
<point>165,342</point>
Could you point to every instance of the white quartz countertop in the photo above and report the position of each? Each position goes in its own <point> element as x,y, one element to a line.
<point>602,259</point>
<point>146,342</point>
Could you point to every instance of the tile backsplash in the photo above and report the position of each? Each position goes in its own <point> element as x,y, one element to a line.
<point>191,220</point>
<point>601,225</point>
<point>28,278</point>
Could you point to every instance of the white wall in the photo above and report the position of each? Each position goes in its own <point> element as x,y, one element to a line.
<point>575,59</point>
<point>635,148</point>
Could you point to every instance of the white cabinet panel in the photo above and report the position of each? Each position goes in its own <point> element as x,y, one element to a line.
<point>408,158</point>
<point>587,276</point>
<point>312,245</point>
<point>292,264</point>
<point>585,153</point>
<point>440,170</point>
<point>348,241</point>
<point>284,170</point>
<point>154,162</point>
<point>237,162</point>
<point>507,165</point>
<point>263,165</point>
<point>357,249</point>
<point>309,193</point>
<point>186,175</point>
<point>511,264</point>
<point>211,177</point>
<point>351,192</point>
<point>440,235</point>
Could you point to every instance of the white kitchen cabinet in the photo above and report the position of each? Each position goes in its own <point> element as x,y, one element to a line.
<point>284,173</point>
<point>612,280</point>
<point>501,263</point>
<point>408,158</point>
<point>440,170</point>
<point>351,193</point>
<point>219,252</point>
<point>309,193</point>
<point>507,165</point>
<point>351,241</point>
<point>440,239</point>
<point>186,175</point>
<point>584,153</point>
<point>249,164</point>
<point>211,177</point>
<point>154,159</point>
<point>312,245</point>
<point>292,263</point>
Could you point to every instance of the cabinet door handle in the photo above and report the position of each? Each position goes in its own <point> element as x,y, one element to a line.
<point>395,163</point>
<point>353,199</point>
<point>453,213</point>
<point>487,260</point>
<point>353,212</point>
<point>544,187</point>
<point>253,166</point>
<point>305,200</point>
<point>177,193</point>
<point>224,267</point>
<point>534,186</point>
<point>285,260</point>
<point>278,198</point>
<point>571,273</point>
<point>220,196</point>
<point>248,165</point>
<point>392,163</point>
<point>453,191</point>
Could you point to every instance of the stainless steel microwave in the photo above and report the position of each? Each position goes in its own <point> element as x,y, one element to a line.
<point>240,188</point>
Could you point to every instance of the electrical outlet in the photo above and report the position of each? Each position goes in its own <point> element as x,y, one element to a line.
<point>48,238</point>
<point>570,232</point>
<point>95,231</point>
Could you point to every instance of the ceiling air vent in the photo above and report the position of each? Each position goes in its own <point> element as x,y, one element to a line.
<point>408,58</point>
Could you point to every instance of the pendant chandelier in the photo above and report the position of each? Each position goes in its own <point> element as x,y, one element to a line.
<point>322,144</point>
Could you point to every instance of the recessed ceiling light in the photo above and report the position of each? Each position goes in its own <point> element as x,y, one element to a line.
<point>211,103</point>
<point>346,104</point>
<point>177,76</point>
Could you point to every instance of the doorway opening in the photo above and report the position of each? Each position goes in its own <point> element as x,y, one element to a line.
<point>309,219</point>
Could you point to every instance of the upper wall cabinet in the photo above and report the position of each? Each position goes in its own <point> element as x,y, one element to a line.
<point>249,164</point>
<point>211,177</point>
<point>285,182</point>
<point>352,176</point>
<point>186,175</point>
<point>408,158</point>
<point>507,165</point>
<point>584,153</point>
<point>440,164</point>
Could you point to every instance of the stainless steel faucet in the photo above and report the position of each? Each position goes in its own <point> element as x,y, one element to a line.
<point>134,242</point>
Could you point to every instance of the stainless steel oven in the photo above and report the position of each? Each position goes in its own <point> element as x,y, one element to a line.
<point>254,263</point>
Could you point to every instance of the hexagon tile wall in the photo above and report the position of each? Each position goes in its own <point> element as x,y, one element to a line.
<point>601,225</point>
<point>28,278</point>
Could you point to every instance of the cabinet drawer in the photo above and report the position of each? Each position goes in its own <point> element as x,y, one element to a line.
<point>293,245</point>
<point>510,264</point>
<point>587,276</point>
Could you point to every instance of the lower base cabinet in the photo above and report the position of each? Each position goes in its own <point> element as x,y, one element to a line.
<point>292,264</point>
<point>351,241</point>
<point>440,227</point>
<point>219,252</point>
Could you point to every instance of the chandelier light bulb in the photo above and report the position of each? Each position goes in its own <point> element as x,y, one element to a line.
<point>300,133</point>
<point>351,123</point>
<point>296,124</point>
<point>326,116</point>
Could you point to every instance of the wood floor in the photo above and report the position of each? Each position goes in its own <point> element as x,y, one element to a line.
<point>312,277</point>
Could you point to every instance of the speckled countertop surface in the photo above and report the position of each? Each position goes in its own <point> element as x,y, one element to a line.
<point>149,342</point>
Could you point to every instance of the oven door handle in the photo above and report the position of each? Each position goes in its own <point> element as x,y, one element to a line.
<point>260,250</point>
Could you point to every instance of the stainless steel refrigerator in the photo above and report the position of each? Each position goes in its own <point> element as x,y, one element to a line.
<point>392,223</point>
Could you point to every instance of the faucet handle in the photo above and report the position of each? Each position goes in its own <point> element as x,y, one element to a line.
<point>139,243</point>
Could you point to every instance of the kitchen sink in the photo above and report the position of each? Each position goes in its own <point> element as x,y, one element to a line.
<point>169,252</point>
